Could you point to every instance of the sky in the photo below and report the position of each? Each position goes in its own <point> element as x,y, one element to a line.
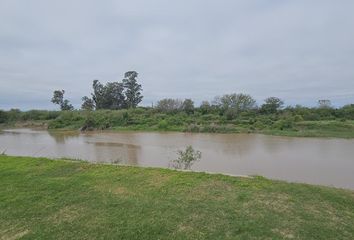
<point>298,50</point>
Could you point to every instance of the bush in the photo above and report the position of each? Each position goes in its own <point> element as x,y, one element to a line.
<point>284,124</point>
<point>186,158</point>
<point>163,125</point>
<point>298,118</point>
<point>231,113</point>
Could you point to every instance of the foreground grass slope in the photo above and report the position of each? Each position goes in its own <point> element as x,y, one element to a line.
<point>47,199</point>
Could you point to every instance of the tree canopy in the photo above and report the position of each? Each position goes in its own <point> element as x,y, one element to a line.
<point>115,95</point>
<point>132,89</point>
<point>58,98</point>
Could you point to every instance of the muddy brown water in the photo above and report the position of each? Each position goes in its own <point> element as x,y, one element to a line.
<point>310,160</point>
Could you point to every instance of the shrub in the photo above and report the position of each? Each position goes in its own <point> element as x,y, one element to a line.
<point>163,125</point>
<point>186,158</point>
<point>231,113</point>
<point>284,124</point>
<point>298,118</point>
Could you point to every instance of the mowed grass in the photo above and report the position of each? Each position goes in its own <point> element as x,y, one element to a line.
<point>58,199</point>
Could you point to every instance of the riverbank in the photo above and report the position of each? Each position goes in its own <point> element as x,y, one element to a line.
<point>304,123</point>
<point>321,129</point>
<point>57,199</point>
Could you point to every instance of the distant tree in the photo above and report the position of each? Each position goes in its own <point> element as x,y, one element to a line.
<point>58,98</point>
<point>236,102</point>
<point>324,103</point>
<point>188,106</point>
<point>205,107</point>
<point>109,96</point>
<point>114,95</point>
<point>347,111</point>
<point>272,105</point>
<point>88,104</point>
<point>169,105</point>
<point>67,106</point>
<point>132,89</point>
<point>98,94</point>
<point>3,116</point>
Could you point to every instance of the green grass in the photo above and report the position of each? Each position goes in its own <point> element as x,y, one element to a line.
<point>57,199</point>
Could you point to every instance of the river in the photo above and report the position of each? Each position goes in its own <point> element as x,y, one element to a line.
<point>309,160</point>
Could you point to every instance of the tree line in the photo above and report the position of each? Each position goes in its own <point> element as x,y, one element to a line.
<point>127,94</point>
<point>112,95</point>
<point>229,105</point>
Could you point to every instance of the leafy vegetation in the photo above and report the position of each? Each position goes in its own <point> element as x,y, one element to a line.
<point>58,98</point>
<point>186,158</point>
<point>57,199</point>
<point>290,121</point>
<point>115,105</point>
<point>112,95</point>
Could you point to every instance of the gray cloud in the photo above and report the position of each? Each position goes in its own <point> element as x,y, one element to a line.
<point>301,50</point>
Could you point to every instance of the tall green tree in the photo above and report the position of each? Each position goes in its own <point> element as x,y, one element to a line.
<point>132,89</point>
<point>236,102</point>
<point>272,105</point>
<point>114,95</point>
<point>109,96</point>
<point>205,107</point>
<point>188,106</point>
<point>58,98</point>
<point>88,104</point>
<point>98,94</point>
<point>169,105</point>
<point>3,116</point>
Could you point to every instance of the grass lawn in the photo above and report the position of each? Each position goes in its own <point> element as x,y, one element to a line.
<point>57,199</point>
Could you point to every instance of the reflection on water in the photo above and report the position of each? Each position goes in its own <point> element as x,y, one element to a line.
<point>311,160</point>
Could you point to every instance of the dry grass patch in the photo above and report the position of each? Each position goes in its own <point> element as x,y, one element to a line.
<point>284,233</point>
<point>67,214</point>
<point>113,188</point>
<point>12,232</point>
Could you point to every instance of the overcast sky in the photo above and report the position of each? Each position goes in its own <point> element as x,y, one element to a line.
<point>298,50</point>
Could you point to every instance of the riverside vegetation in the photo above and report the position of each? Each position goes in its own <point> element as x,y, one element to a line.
<point>63,199</point>
<point>114,106</point>
<point>290,121</point>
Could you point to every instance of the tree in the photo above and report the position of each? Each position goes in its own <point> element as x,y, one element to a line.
<point>3,116</point>
<point>347,111</point>
<point>169,105</point>
<point>98,94</point>
<point>236,102</point>
<point>114,96</point>
<point>88,104</point>
<point>66,106</point>
<point>109,96</point>
<point>58,98</point>
<point>132,89</point>
<point>324,103</point>
<point>205,107</point>
<point>188,106</point>
<point>272,105</point>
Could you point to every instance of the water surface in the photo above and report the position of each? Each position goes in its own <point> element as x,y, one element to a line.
<point>310,160</point>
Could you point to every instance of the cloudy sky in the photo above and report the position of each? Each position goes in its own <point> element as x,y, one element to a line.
<point>298,50</point>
